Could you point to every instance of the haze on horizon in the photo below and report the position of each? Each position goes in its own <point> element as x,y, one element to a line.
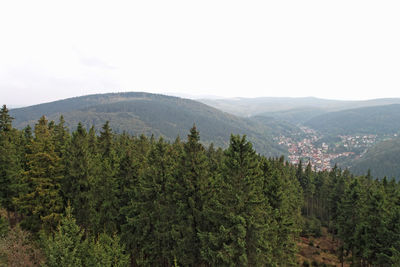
<point>333,50</point>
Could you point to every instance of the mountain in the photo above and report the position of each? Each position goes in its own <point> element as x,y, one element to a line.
<point>247,107</point>
<point>144,113</point>
<point>277,127</point>
<point>295,116</point>
<point>382,159</point>
<point>367,120</point>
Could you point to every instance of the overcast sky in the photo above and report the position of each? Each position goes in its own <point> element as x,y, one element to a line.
<point>331,49</point>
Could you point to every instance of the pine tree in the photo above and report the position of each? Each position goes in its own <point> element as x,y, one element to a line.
<point>69,247</point>
<point>79,172</point>
<point>42,202</point>
<point>10,166</point>
<point>107,251</point>
<point>283,196</point>
<point>128,174</point>
<point>26,144</point>
<point>66,246</point>
<point>103,195</point>
<point>5,120</point>
<point>194,189</point>
<point>371,232</point>
<point>348,217</point>
<point>338,186</point>
<point>151,217</point>
<point>92,139</point>
<point>238,212</point>
<point>61,138</point>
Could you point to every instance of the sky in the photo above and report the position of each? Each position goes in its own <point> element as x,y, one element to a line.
<point>338,49</point>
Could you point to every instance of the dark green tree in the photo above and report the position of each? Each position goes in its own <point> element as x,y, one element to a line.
<point>79,173</point>
<point>10,166</point>
<point>193,189</point>
<point>5,120</point>
<point>42,203</point>
<point>151,228</point>
<point>103,195</point>
<point>107,251</point>
<point>282,194</point>
<point>239,213</point>
<point>66,247</point>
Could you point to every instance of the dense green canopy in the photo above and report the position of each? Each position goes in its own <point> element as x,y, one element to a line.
<point>117,200</point>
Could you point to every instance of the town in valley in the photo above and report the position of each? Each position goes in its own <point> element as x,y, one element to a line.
<point>321,152</point>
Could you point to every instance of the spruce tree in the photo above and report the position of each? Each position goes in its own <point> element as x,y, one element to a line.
<point>128,175</point>
<point>10,166</point>
<point>79,172</point>
<point>103,195</point>
<point>42,204</point>
<point>348,217</point>
<point>66,246</point>
<point>238,212</point>
<point>194,188</point>
<point>151,217</point>
<point>5,120</point>
<point>107,251</point>
<point>61,138</point>
<point>285,200</point>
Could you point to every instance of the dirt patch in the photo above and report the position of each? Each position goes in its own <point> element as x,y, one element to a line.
<point>321,250</point>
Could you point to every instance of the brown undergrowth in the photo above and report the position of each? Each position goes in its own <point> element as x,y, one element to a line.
<point>321,251</point>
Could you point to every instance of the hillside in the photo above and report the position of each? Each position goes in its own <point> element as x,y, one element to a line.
<point>247,107</point>
<point>367,120</point>
<point>295,116</point>
<point>277,126</point>
<point>144,113</point>
<point>382,159</point>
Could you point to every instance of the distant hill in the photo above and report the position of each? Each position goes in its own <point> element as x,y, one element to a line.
<point>368,120</point>
<point>247,107</point>
<point>277,127</point>
<point>383,160</point>
<point>144,113</point>
<point>296,116</point>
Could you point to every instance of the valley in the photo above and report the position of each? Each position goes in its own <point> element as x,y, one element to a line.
<point>199,133</point>
<point>308,146</point>
<point>349,134</point>
<point>316,131</point>
<point>133,143</point>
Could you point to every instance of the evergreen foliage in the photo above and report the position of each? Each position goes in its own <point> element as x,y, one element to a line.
<point>144,113</point>
<point>138,201</point>
<point>65,247</point>
<point>10,161</point>
<point>68,247</point>
<point>42,202</point>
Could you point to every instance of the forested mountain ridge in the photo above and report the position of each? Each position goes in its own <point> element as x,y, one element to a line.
<point>145,113</point>
<point>296,116</point>
<point>366,120</point>
<point>247,107</point>
<point>276,126</point>
<point>382,160</point>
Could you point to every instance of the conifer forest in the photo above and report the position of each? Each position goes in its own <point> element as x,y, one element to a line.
<point>78,197</point>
